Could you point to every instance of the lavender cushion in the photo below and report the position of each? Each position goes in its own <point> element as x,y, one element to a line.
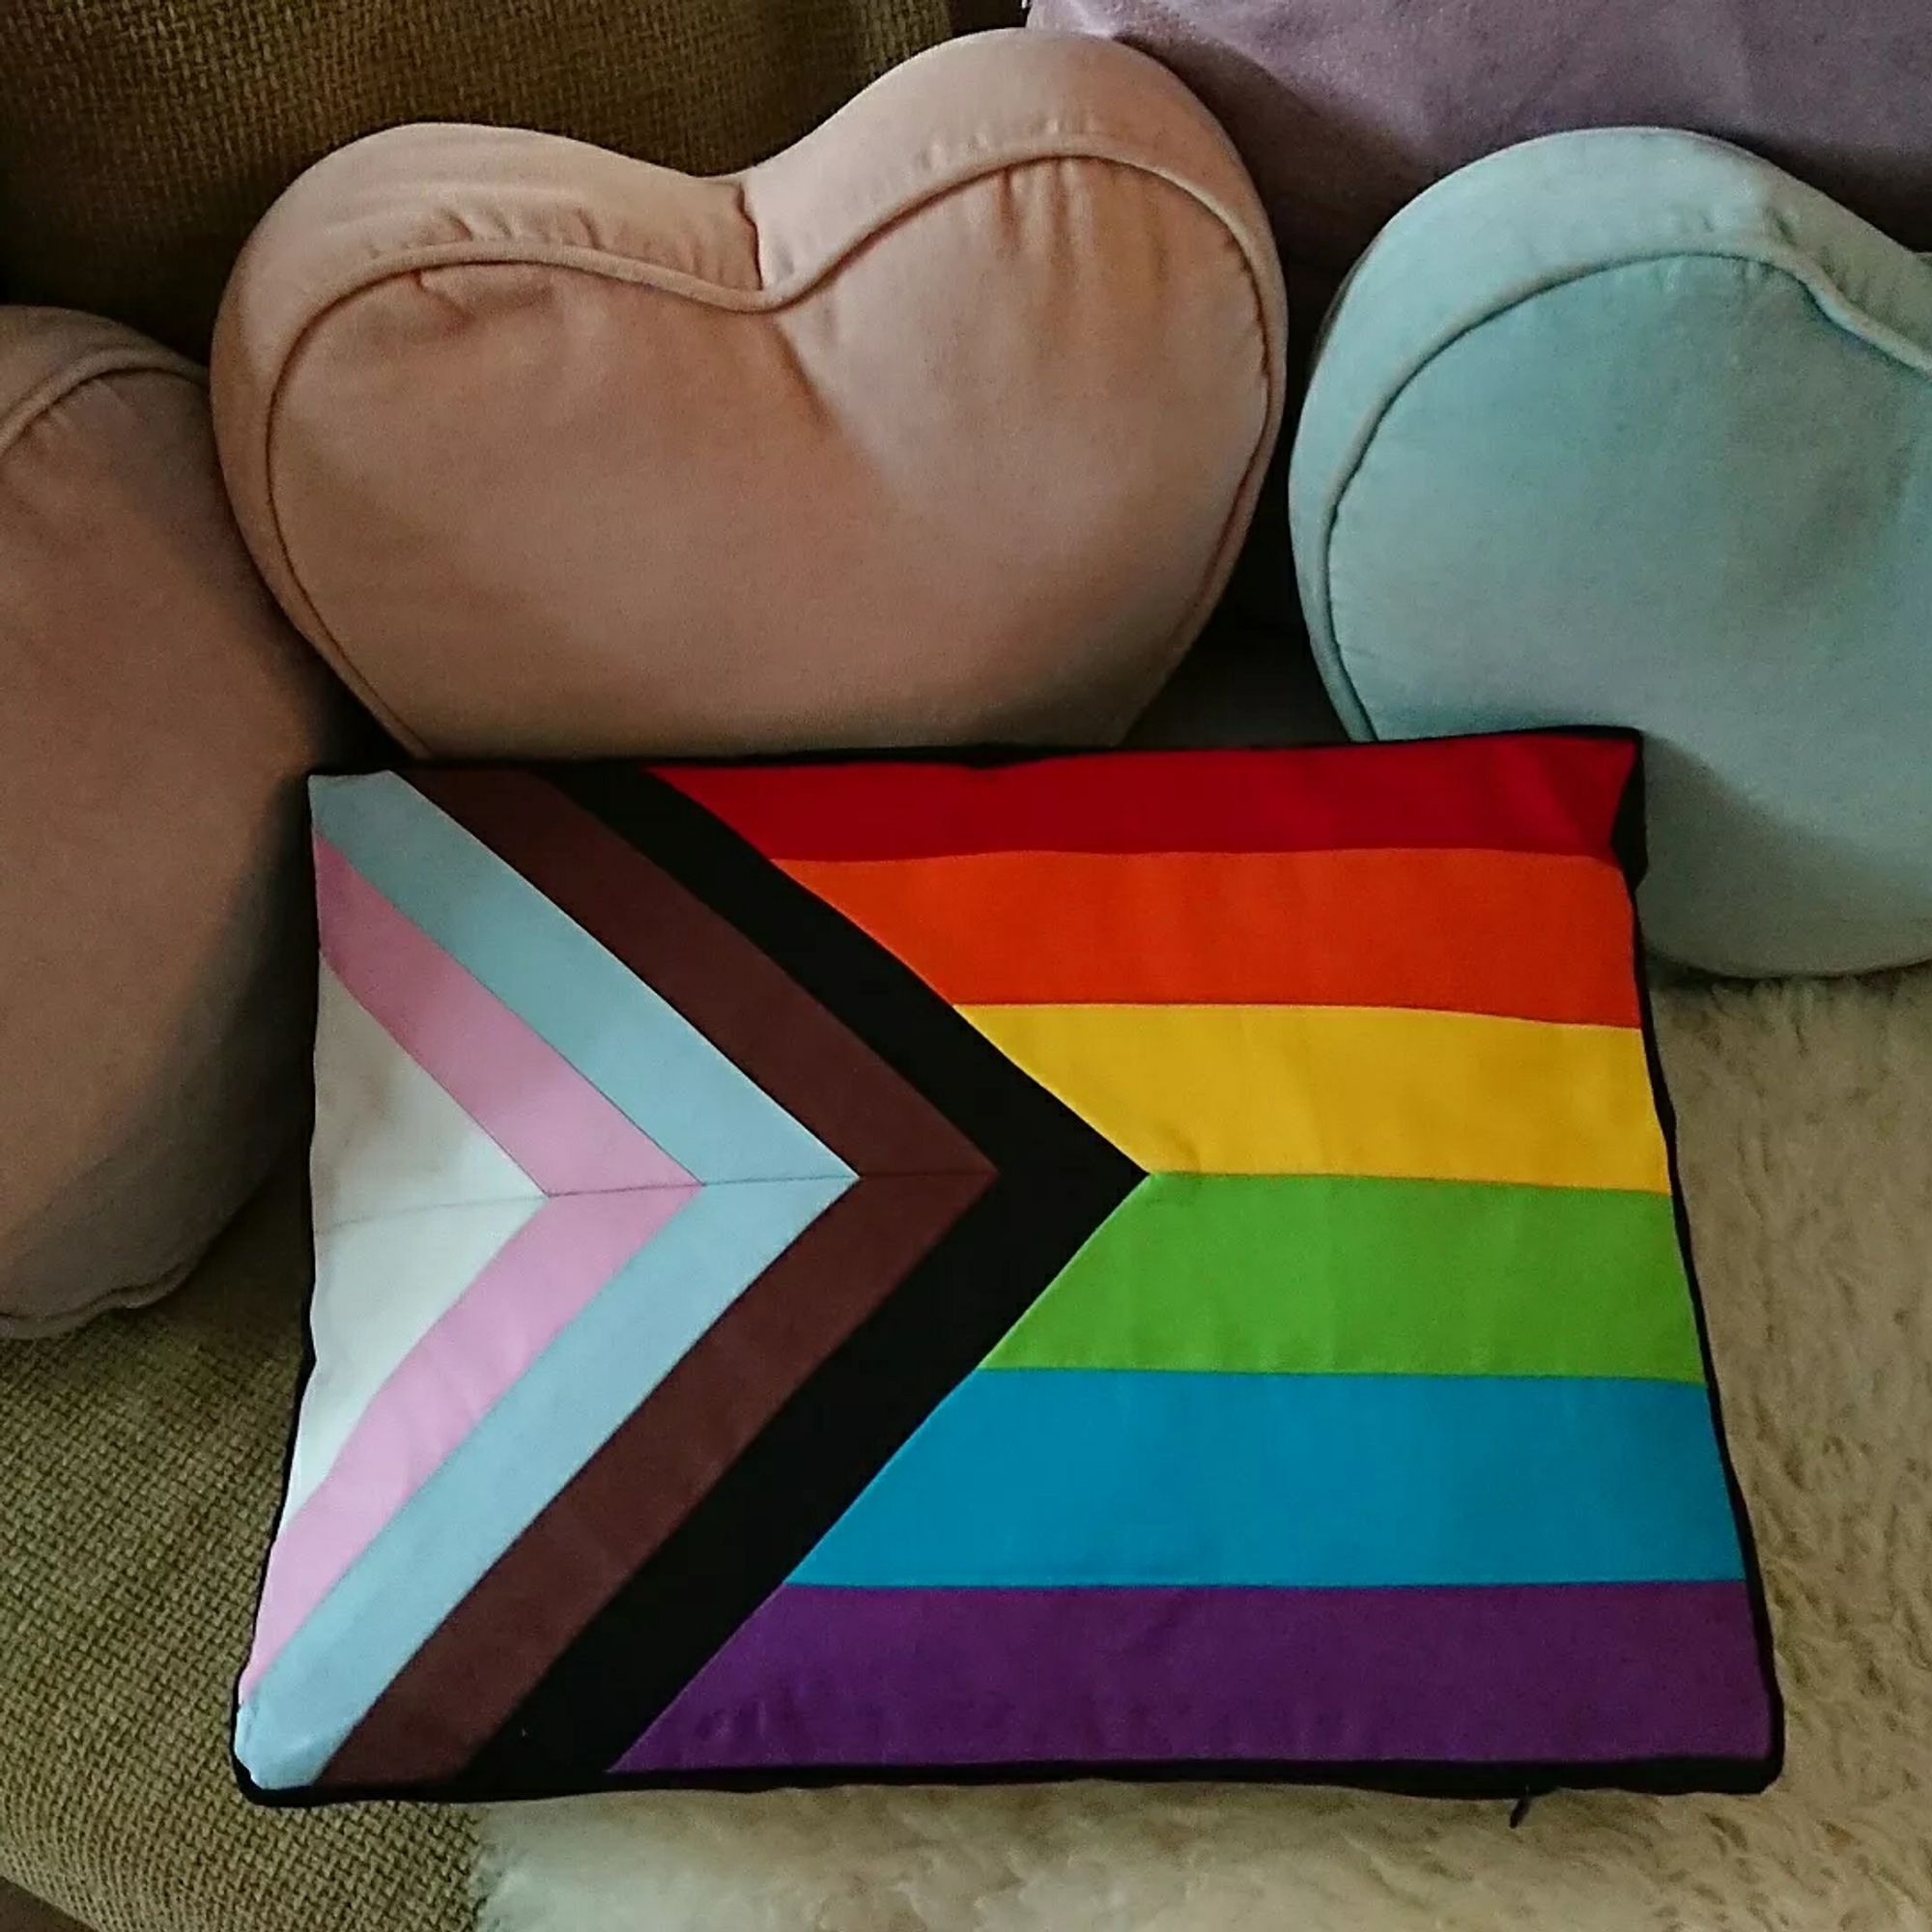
<point>1346,109</point>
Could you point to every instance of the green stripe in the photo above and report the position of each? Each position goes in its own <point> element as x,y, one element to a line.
<point>1314,1274</point>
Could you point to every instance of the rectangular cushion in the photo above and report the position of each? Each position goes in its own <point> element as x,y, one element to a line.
<point>1162,1264</point>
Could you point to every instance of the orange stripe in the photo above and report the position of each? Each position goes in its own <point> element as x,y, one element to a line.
<point>1540,936</point>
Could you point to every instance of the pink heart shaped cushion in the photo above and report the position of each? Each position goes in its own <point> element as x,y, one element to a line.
<point>945,424</point>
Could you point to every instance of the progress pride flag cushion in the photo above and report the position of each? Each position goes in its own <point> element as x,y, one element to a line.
<point>1153,1264</point>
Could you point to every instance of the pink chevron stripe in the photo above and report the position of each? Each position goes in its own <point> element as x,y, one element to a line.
<point>538,1282</point>
<point>537,1107</point>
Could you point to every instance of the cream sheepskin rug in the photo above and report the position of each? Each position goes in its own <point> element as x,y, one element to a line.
<point>1808,1145</point>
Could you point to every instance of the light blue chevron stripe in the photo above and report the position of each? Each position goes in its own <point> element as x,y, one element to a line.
<point>546,1425</point>
<point>638,1051</point>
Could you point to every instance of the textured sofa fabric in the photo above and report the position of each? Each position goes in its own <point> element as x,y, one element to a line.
<point>140,140</point>
<point>1345,109</point>
<point>944,425</point>
<point>143,1459</point>
<point>159,717</point>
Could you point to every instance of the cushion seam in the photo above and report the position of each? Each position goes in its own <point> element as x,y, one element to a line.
<point>19,1326</point>
<point>29,1326</point>
<point>93,367</point>
<point>609,267</point>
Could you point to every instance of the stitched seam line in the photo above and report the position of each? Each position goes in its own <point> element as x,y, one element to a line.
<point>93,367</point>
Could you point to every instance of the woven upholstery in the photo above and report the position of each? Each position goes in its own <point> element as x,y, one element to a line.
<point>143,1460</point>
<point>141,139</point>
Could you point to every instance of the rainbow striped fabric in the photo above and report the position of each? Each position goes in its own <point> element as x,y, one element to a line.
<point>1152,1262</point>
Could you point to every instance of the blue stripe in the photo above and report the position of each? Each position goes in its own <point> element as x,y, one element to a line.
<point>546,1426</point>
<point>1066,1477</point>
<point>639,1052</point>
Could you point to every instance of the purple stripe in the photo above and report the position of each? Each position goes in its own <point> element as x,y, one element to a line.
<point>1565,1673</point>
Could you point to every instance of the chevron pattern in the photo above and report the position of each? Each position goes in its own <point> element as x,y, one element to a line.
<point>880,1268</point>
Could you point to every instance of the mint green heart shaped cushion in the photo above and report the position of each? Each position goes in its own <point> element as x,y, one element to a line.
<point>1629,427</point>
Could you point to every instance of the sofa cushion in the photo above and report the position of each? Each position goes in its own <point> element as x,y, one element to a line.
<point>946,424</point>
<point>139,143</point>
<point>864,1269</point>
<point>1632,427</point>
<point>159,718</point>
<point>1346,109</point>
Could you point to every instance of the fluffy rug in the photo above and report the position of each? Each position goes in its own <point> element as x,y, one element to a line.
<point>1807,1143</point>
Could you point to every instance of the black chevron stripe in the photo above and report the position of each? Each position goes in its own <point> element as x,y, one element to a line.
<point>1056,1181</point>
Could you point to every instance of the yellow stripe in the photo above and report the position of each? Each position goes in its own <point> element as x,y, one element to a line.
<point>1349,1090</point>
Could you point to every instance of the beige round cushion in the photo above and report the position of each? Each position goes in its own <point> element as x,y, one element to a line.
<point>158,714</point>
<point>946,424</point>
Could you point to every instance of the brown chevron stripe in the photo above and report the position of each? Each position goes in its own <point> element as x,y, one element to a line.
<point>749,1009</point>
<point>622,1506</point>
<point>1056,1181</point>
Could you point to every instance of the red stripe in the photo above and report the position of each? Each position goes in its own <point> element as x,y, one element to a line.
<point>1531,793</point>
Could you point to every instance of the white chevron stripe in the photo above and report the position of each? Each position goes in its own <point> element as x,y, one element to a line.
<point>388,1139</point>
<point>389,1147</point>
